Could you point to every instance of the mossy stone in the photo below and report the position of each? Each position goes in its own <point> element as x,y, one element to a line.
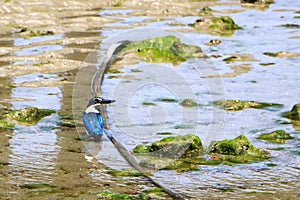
<point>30,115</point>
<point>278,136</point>
<point>4,125</point>
<point>236,105</point>
<point>168,49</point>
<point>174,146</point>
<point>294,114</point>
<point>224,25</point>
<point>231,151</point>
<point>237,146</point>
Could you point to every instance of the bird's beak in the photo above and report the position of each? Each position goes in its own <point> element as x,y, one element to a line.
<point>107,101</point>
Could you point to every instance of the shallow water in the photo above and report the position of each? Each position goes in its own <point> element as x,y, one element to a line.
<point>41,73</point>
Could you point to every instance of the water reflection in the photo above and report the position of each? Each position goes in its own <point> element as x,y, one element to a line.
<point>33,148</point>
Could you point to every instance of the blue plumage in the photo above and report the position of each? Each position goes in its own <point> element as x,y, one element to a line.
<point>93,123</point>
<point>92,119</point>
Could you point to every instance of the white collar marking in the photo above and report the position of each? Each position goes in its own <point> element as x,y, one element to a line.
<point>92,108</point>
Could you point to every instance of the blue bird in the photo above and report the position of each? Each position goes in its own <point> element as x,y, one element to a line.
<point>92,119</point>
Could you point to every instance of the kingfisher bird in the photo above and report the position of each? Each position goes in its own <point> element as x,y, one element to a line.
<point>92,118</point>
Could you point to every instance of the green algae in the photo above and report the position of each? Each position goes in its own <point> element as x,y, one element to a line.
<point>114,172</point>
<point>294,114</point>
<point>278,136</point>
<point>167,100</point>
<point>147,103</point>
<point>4,125</point>
<point>168,49</point>
<point>236,105</point>
<point>189,103</point>
<point>230,151</point>
<point>239,146</point>
<point>186,146</point>
<point>223,26</point>
<point>28,116</point>
<point>116,196</point>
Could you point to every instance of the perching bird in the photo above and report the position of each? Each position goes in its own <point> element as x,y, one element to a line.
<point>92,119</point>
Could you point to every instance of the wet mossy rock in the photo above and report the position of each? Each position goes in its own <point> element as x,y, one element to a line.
<point>294,114</point>
<point>167,49</point>
<point>29,116</point>
<point>4,125</point>
<point>231,151</point>
<point>279,136</point>
<point>236,105</point>
<point>174,146</point>
<point>224,25</point>
<point>238,146</point>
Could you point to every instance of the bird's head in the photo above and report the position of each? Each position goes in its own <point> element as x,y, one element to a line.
<point>98,101</point>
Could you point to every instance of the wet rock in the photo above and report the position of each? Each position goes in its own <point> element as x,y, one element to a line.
<point>258,1</point>
<point>236,105</point>
<point>189,103</point>
<point>27,116</point>
<point>173,147</point>
<point>240,58</point>
<point>232,151</point>
<point>213,42</point>
<point>167,49</point>
<point>294,114</point>
<point>278,136</point>
<point>205,11</point>
<point>282,54</point>
<point>291,25</point>
<point>224,25</point>
<point>4,125</point>
<point>238,146</point>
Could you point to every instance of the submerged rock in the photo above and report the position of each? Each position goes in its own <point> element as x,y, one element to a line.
<point>231,151</point>
<point>239,146</point>
<point>189,103</point>
<point>236,105</point>
<point>294,114</point>
<point>282,54</point>
<point>27,116</point>
<point>213,42</point>
<point>240,58</point>
<point>205,11</point>
<point>173,147</point>
<point>167,49</point>
<point>223,25</point>
<point>279,136</point>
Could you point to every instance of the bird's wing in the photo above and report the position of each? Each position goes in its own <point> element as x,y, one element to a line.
<point>93,123</point>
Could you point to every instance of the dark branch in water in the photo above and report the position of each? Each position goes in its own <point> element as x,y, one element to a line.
<point>96,91</point>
